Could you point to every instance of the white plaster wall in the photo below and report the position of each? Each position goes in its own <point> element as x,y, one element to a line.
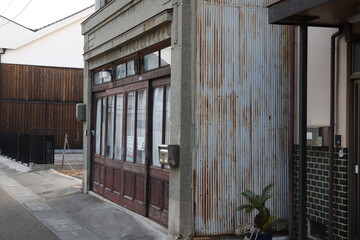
<point>61,48</point>
<point>319,53</point>
<point>319,44</point>
<point>10,29</point>
<point>341,119</point>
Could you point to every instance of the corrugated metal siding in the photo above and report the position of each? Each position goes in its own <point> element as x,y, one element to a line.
<point>241,112</point>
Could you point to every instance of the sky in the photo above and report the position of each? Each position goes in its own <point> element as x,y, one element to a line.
<point>35,14</point>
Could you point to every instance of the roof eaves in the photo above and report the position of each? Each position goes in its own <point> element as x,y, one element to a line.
<point>9,20</point>
<point>64,18</point>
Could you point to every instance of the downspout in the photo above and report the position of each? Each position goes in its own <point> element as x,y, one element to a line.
<point>291,132</point>
<point>332,133</point>
<point>1,53</point>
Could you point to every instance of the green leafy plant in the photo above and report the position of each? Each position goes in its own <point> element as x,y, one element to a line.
<point>263,220</point>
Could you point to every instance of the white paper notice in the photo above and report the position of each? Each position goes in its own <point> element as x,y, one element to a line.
<point>309,136</point>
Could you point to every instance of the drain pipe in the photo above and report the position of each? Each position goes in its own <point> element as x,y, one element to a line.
<point>3,50</point>
<point>332,133</point>
<point>291,132</point>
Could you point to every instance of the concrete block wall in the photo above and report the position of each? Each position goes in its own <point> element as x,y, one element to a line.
<point>318,192</point>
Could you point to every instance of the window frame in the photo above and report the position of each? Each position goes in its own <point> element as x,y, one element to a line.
<point>139,76</point>
<point>156,84</point>
<point>149,50</point>
<point>135,88</point>
<point>125,60</point>
<point>158,77</point>
<point>355,39</point>
<point>103,85</point>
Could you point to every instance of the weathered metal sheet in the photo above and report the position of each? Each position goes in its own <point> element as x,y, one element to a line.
<point>242,102</point>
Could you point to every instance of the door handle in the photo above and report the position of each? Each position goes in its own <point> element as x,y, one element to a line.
<point>357,169</point>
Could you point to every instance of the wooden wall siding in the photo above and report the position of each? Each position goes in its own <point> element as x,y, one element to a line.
<point>38,83</point>
<point>22,117</point>
<point>41,97</point>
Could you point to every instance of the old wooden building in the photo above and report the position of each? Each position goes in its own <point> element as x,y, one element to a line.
<point>206,82</point>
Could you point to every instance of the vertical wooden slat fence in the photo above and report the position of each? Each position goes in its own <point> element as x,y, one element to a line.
<point>40,97</point>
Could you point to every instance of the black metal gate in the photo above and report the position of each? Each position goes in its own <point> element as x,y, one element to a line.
<point>26,148</point>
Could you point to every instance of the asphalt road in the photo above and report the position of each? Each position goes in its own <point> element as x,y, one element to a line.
<point>16,223</point>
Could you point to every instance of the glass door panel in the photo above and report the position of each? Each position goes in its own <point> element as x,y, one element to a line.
<point>130,126</point>
<point>98,127</point>
<point>103,126</point>
<point>119,126</point>
<point>157,124</point>
<point>110,127</point>
<point>141,125</point>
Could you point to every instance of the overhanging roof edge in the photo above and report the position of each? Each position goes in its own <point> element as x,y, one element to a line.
<point>288,8</point>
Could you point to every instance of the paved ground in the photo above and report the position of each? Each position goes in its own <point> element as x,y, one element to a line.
<point>18,223</point>
<point>55,200</point>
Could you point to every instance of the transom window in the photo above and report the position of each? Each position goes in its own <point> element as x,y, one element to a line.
<point>130,67</point>
<point>102,76</point>
<point>157,59</point>
<point>126,69</point>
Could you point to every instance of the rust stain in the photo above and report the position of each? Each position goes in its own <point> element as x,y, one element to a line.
<point>241,82</point>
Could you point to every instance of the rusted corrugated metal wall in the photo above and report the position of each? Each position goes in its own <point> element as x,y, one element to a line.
<point>242,102</point>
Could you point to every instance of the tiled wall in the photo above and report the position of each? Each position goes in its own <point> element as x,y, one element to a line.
<point>318,189</point>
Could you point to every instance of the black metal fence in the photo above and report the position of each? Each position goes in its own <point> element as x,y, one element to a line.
<point>28,148</point>
<point>72,135</point>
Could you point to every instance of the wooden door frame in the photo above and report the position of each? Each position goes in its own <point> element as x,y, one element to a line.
<point>142,80</point>
<point>353,198</point>
<point>353,203</point>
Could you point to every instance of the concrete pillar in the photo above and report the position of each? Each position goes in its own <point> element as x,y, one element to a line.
<point>181,199</point>
<point>86,128</point>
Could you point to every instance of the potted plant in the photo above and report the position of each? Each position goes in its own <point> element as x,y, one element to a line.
<point>264,222</point>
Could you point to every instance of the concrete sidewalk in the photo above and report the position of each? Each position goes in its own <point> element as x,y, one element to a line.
<point>57,202</point>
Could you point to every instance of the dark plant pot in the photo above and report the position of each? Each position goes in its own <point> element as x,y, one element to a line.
<point>261,236</point>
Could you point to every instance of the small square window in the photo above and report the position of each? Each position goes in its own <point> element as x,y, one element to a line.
<point>97,79</point>
<point>102,77</point>
<point>106,76</point>
<point>151,61</point>
<point>121,71</point>
<point>165,55</point>
<point>131,70</point>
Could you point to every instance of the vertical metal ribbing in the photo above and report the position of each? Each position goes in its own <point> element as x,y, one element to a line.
<point>242,99</point>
